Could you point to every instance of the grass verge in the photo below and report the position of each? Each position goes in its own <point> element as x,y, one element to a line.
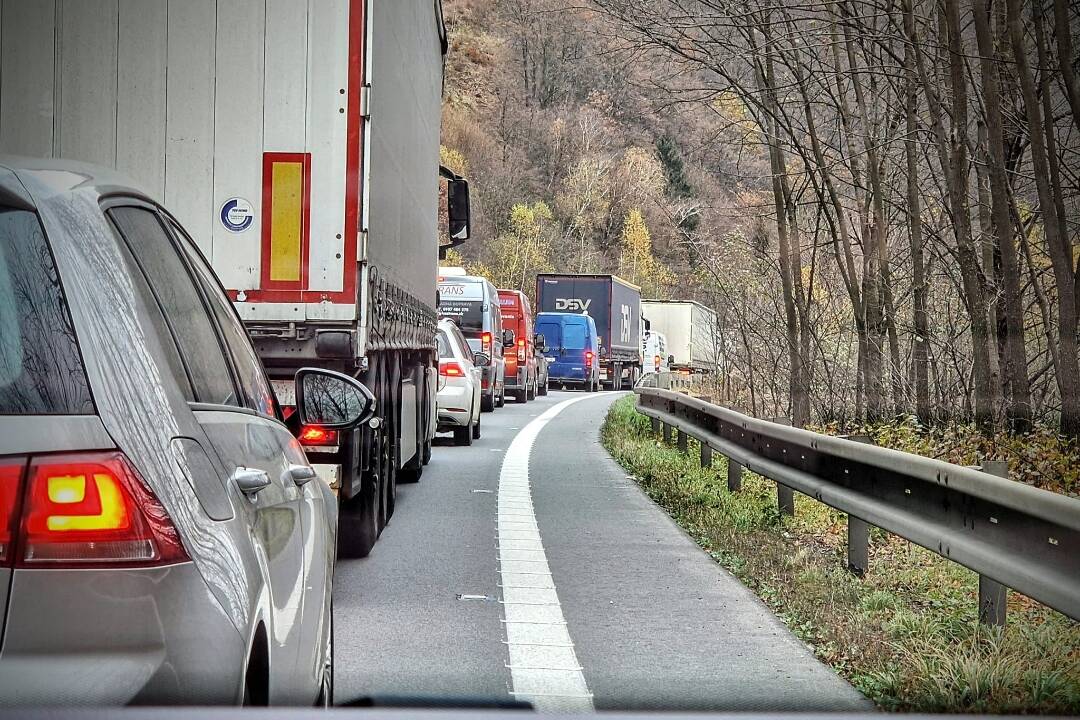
<point>906,634</point>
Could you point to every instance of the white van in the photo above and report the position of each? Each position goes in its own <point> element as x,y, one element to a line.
<point>472,303</point>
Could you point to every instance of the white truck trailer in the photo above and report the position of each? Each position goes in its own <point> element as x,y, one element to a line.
<point>297,141</point>
<point>691,333</point>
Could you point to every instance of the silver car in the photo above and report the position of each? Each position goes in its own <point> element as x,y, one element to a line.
<point>460,381</point>
<point>163,538</point>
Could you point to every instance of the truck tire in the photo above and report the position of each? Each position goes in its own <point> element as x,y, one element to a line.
<point>358,517</point>
<point>394,435</point>
<point>414,469</point>
<point>463,436</point>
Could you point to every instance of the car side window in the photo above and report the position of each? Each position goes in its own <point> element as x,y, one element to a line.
<point>256,388</point>
<point>180,303</point>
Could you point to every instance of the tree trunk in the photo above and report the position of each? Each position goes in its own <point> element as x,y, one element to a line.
<point>1013,352</point>
<point>1060,247</point>
<point>920,349</point>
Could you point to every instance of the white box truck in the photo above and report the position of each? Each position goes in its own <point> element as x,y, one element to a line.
<point>690,330</point>
<point>298,142</point>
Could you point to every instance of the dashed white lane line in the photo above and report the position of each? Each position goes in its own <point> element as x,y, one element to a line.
<point>543,666</point>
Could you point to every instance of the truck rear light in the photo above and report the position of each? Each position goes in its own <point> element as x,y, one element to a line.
<point>451,368</point>
<point>588,358</point>
<point>521,350</point>
<point>93,509</point>
<point>313,435</point>
<point>485,342</point>
<point>11,471</point>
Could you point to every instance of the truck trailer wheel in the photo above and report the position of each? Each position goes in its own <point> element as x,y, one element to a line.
<point>358,517</point>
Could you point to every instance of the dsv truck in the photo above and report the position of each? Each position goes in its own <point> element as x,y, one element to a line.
<point>298,143</point>
<point>615,307</point>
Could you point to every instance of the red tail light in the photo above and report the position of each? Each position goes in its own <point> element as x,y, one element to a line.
<point>315,435</point>
<point>94,509</point>
<point>521,350</point>
<point>451,368</point>
<point>10,483</point>
<point>588,358</point>
<point>485,342</point>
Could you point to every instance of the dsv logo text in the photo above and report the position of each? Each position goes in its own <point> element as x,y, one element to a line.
<point>572,304</point>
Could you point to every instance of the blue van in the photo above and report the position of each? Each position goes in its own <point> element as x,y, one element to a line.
<point>572,348</point>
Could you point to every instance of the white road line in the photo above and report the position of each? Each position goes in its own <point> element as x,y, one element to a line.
<point>543,666</point>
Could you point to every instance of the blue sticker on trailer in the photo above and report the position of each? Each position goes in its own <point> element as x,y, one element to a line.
<point>237,214</point>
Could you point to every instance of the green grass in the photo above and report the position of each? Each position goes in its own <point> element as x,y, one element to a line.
<point>906,634</point>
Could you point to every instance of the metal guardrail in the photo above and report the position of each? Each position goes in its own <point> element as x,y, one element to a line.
<point>1013,535</point>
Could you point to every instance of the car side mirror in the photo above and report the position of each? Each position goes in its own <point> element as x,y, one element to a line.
<point>481,359</point>
<point>457,209</point>
<point>508,338</point>
<point>331,399</point>
<point>541,342</point>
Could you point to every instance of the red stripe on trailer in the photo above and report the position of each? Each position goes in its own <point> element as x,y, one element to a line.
<point>353,168</point>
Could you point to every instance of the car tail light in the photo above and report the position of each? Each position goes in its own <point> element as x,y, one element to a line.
<point>315,435</point>
<point>588,358</point>
<point>94,509</point>
<point>485,342</point>
<point>451,369</point>
<point>10,484</point>
<point>521,350</point>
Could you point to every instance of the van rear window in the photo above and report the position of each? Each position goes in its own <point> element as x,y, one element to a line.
<point>574,336</point>
<point>41,371</point>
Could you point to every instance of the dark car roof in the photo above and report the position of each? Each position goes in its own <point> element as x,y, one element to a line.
<point>46,178</point>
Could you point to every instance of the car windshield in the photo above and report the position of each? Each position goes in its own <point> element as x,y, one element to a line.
<point>41,370</point>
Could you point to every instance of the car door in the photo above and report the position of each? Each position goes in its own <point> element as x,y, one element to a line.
<point>310,496</point>
<point>244,442</point>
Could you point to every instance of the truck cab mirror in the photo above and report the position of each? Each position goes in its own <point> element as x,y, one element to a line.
<point>457,209</point>
<point>508,338</point>
<point>331,399</point>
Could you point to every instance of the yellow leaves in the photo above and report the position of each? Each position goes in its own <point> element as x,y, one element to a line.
<point>517,255</point>
<point>636,260</point>
<point>454,160</point>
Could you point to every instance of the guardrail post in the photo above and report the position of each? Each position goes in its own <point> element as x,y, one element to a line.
<point>706,455</point>
<point>667,433</point>
<point>734,476</point>
<point>993,596</point>
<point>655,422</point>
<point>858,534</point>
<point>680,440</point>
<point>785,496</point>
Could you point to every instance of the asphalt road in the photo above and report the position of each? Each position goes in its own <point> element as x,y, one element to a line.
<point>529,566</point>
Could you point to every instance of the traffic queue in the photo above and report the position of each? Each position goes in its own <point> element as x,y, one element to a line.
<point>590,332</point>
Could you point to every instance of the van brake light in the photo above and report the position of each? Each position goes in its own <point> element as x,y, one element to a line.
<point>588,358</point>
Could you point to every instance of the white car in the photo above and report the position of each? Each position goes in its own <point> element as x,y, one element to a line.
<point>460,374</point>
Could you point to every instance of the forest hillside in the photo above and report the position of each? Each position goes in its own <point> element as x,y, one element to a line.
<point>879,198</point>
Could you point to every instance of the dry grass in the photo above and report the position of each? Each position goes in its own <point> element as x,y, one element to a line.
<point>906,634</point>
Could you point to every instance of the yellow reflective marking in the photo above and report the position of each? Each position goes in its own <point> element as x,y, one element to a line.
<point>286,220</point>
